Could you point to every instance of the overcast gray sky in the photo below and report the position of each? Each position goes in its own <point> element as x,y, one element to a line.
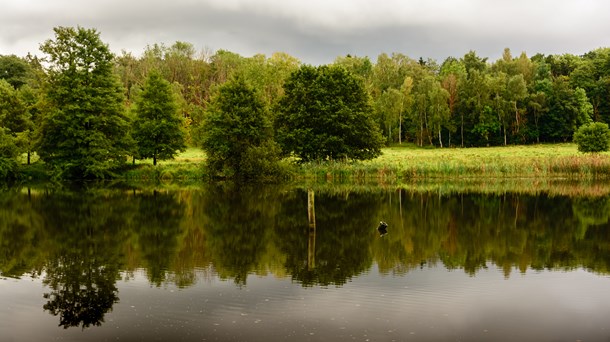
<point>317,31</point>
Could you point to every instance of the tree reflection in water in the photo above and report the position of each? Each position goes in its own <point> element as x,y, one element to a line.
<point>86,230</point>
<point>81,241</point>
<point>83,291</point>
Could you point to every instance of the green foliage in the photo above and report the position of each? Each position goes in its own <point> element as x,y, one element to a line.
<point>326,114</point>
<point>593,137</point>
<point>8,155</point>
<point>236,133</point>
<point>263,162</point>
<point>76,121</point>
<point>13,114</point>
<point>17,114</point>
<point>569,109</point>
<point>8,149</point>
<point>85,132</point>
<point>157,128</point>
<point>14,70</point>
<point>8,168</point>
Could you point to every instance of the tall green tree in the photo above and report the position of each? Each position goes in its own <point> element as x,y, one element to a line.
<point>15,116</point>
<point>237,133</point>
<point>569,109</point>
<point>538,97</point>
<point>157,128</point>
<point>593,75</point>
<point>474,101</point>
<point>389,108</point>
<point>440,115</point>
<point>453,75</point>
<point>359,66</point>
<point>8,155</point>
<point>85,135</point>
<point>326,113</point>
<point>516,92</point>
<point>14,70</point>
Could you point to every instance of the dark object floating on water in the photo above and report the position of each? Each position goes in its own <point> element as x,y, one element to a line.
<point>383,228</point>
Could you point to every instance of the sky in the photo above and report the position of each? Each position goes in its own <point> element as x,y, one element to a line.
<point>318,31</point>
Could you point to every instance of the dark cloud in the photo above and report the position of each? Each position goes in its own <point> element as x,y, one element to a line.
<point>317,31</point>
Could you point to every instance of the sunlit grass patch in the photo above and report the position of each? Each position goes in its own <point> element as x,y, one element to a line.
<point>192,155</point>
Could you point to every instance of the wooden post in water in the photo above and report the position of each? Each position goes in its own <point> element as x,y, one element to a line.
<point>311,245</point>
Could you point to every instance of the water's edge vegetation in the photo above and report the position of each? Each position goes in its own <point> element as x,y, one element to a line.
<point>397,165</point>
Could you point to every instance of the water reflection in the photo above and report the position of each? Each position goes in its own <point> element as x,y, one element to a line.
<point>81,242</point>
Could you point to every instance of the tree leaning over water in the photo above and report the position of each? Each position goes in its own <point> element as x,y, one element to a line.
<point>157,128</point>
<point>85,134</point>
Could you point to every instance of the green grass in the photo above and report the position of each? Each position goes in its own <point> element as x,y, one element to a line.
<point>408,162</point>
<point>411,162</point>
<point>192,155</point>
<point>186,166</point>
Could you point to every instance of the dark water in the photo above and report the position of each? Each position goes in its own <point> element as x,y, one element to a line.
<point>227,263</point>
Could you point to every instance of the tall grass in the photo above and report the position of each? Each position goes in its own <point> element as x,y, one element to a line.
<point>164,172</point>
<point>406,162</point>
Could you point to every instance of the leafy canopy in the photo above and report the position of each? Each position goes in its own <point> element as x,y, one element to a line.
<point>14,70</point>
<point>237,133</point>
<point>157,128</point>
<point>85,133</point>
<point>326,114</point>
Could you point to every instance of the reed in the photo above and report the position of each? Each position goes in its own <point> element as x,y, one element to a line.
<point>401,163</point>
<point>164,172</point>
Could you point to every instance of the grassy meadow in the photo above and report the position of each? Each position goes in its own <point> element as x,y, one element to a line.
<point>554,169</point>
<point>407,161</point>
<point>403,163</point>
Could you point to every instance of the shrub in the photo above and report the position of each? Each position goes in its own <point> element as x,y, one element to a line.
<point>593,137</point>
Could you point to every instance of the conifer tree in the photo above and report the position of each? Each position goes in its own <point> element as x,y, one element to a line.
<point>85,134</point>
<point>157,127</point>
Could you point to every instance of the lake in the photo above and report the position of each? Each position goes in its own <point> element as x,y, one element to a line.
<point>304,263</point>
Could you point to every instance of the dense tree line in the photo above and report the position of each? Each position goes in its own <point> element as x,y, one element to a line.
<point>83,110</point>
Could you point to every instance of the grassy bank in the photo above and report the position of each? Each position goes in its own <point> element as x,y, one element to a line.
<point>409,162</point>
<point>187,166</point>
<point>403,163</point>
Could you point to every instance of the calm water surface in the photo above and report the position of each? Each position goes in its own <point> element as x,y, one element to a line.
<point>227,263</point>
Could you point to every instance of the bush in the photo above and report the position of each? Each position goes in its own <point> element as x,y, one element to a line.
<point>8,168</point>
<point>593,137</point>
<point>264,163</point>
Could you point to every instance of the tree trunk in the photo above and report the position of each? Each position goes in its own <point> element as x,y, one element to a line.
<point>154,159</point>
<point>29,156</point>
<point>462,130</point>
<point>421,133</point>
<point>517,116</point>
<point>440,140</point>
<point>400,129</point>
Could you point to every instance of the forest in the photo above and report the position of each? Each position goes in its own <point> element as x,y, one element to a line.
<point>465,101</point>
